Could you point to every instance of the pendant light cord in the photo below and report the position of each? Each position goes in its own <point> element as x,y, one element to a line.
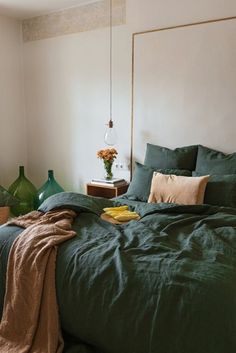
<point>111,48</point>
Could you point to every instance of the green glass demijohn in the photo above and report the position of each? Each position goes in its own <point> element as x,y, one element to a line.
<point>49,188</point>
<point>25,192</point>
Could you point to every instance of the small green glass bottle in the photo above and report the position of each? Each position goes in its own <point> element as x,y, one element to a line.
<point>25,192</point>
<point>49,188</point>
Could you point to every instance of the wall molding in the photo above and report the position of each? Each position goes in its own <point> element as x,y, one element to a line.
<point>150,31</point>
<point>83,18</point>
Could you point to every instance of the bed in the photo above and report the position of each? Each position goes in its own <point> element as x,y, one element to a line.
<point>163,284</point>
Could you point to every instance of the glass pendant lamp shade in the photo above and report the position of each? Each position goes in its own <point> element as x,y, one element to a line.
<point>110,137</point>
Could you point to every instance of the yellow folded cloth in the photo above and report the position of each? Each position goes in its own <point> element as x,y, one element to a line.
<point>121,213</point>
<point>119,208</point>
<point>128,216</point>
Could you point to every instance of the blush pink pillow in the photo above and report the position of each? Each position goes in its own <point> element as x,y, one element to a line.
<point>178,189</point>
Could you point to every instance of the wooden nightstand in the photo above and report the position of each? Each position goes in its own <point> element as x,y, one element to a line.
<point>106,191</point>
<point>4,214</point>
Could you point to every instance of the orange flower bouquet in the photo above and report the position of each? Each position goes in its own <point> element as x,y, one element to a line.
<point>108,156</point>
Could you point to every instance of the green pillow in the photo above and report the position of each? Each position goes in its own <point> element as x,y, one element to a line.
<point>210,161</point>
<point>163,158</point>
<point>139,188</point>
<point>220,190</point>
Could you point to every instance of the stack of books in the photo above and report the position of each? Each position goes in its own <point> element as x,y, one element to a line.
<point>111,182</point>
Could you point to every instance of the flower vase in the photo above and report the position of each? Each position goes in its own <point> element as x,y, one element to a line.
<point>49,188</point>
<point>25,192</point>
<point>108,169</point>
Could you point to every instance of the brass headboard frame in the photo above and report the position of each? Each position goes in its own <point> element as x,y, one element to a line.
<point>134,35</point>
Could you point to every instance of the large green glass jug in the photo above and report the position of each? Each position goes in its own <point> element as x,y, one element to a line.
<point>25,192</point>
<point>49,188</point>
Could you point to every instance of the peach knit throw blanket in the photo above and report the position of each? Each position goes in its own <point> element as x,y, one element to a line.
<point>30,321</point>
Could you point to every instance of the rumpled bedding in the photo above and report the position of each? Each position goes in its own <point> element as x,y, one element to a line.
<point>163,284</point>
<point>30,321</point>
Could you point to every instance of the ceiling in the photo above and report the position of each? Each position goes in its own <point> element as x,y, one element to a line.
<point>30,8</point>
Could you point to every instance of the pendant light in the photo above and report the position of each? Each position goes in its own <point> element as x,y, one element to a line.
<point>110,137</point>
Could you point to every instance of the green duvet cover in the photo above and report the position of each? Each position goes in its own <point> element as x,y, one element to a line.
<point>163,284</point>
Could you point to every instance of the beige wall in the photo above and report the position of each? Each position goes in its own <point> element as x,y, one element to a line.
<point>149,14</point>
<point>67,103</point>
<point>12,121</point>
<point>189,97</point>
<point>67,89</point>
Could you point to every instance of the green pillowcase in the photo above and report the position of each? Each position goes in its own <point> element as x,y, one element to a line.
<point>139,188</point>
<point>220,190</point>
<point>210,161</point>
<point>163,158</point>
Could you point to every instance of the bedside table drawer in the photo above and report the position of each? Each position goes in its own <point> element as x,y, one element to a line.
<point>106,191</point>
<point>4,214</point>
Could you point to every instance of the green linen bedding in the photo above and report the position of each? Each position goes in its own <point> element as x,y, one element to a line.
<point>163,284</point>
<point>139,187</point>
<point>210,161</point>
<point>165,158</point>
<point>220,190</point>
